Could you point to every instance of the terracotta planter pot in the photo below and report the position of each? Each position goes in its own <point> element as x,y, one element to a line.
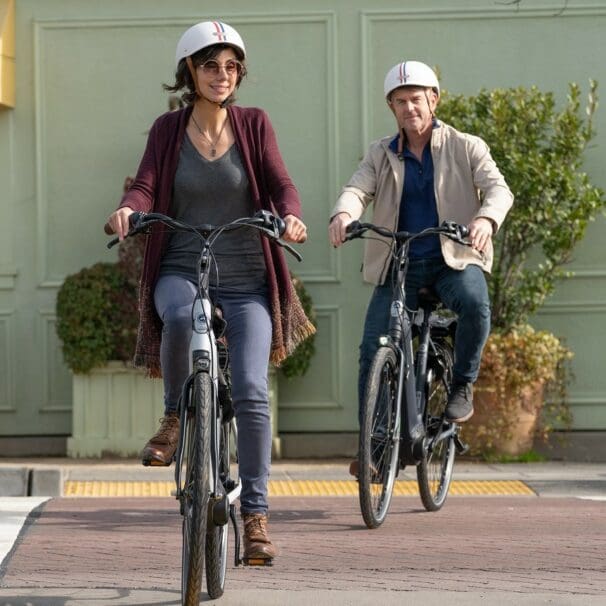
<point>503,428</point>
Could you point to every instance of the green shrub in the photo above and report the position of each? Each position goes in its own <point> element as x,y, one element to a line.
<point>97,317</point>
<point>539,149</point>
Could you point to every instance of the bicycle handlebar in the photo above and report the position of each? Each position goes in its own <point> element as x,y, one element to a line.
<point>270,225</point>
<point>450,229</point>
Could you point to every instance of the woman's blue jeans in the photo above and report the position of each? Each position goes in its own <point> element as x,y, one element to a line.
<point>463,291</point>
<point>249,331</point>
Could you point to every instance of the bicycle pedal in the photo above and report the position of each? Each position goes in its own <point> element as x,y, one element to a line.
<point>257,561</point>
<point>154,463</point>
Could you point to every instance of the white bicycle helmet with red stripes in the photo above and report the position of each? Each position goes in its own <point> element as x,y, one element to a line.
<point>411,73</point>
<point>206,34</point>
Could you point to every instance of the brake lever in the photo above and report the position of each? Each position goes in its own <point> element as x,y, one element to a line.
<point>351,231</point>
<point>274,225</point>
<point>290,249</point>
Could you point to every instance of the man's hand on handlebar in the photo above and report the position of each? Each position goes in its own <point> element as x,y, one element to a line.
<point>337,228</point>
<point>118,222</point>
<point>480,233</point>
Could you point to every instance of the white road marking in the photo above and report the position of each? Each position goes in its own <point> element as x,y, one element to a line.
<point>13,513</point>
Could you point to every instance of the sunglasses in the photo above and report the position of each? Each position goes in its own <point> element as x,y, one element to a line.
<point>212,67</point>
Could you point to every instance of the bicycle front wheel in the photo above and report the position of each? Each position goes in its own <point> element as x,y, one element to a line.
<point>434,472</point>
<point>196,490</point>
<point>379,438</point>
<point>217,536</point>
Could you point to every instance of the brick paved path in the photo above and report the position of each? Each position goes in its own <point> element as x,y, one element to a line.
<point>518,544</point>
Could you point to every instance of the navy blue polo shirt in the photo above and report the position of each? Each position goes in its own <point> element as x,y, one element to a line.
<point>418,209</point>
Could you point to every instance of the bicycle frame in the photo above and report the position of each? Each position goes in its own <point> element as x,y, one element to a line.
<point>203,357</point>
<point>411,381</point>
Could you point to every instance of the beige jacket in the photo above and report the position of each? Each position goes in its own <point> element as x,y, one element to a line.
<point>467,185</point>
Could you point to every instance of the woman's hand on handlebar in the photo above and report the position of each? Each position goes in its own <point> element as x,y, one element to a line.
<point>337,228</point>
<point>118,222</point>
<point>296,231</point>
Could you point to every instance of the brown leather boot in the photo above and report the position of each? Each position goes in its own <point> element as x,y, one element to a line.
<point>160,449</point>
<point>258,549</point>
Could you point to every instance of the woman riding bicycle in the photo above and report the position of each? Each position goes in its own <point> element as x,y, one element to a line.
<point>427,173</point>
<point>212,162</point>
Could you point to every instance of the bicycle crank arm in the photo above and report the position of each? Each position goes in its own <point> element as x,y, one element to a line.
<point>220,507</point>
<point>233,494</point>
<point>461,446</point>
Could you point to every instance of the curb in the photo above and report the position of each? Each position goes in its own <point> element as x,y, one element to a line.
<point>31,482</point>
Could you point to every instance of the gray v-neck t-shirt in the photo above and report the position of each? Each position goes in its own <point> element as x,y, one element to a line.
<point>215,192</point>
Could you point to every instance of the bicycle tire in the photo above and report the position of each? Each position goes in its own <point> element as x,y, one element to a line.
<point>217,536</point>
<point>196,490</point>
<point>379,438</point>
<point>434,472</point>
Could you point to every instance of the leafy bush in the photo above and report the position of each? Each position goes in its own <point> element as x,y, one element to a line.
<point>97,316</point>
<point>539,150</point>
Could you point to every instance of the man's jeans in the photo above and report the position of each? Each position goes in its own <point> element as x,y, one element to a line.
<point>465,292</point>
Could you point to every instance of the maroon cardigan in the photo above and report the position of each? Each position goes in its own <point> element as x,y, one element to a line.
<point>271,188</point>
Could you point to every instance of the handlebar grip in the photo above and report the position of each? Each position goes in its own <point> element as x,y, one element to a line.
<point>281,226</point>
<point>133,219</point>
<point>353,226</point>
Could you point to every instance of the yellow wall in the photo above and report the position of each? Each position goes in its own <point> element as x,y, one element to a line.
<point>7,53</point>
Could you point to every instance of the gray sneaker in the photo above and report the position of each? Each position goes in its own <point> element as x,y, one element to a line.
<point>460,402</point>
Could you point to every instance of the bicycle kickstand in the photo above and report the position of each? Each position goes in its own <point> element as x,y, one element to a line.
<point>234,521</point>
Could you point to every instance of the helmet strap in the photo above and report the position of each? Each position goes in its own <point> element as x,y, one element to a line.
<point>192,71</point>
<point>428,103</point>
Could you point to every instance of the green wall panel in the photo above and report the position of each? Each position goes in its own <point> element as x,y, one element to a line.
<point>89,78</point>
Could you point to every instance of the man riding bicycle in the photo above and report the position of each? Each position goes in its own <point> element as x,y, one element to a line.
<point>427,173</point>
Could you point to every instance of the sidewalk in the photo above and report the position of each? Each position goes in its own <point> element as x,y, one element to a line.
<point>48,477</point>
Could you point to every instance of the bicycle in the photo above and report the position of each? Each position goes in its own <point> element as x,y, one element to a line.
<point>403,421</point>
<point>205,486</point>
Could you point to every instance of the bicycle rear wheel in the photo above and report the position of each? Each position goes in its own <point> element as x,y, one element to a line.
<point>379,439</point>
<point>217,535</point>
<point>434,472</point>
<point>196,490</point>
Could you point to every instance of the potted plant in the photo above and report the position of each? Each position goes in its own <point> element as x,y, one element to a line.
<point>539,149</point>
